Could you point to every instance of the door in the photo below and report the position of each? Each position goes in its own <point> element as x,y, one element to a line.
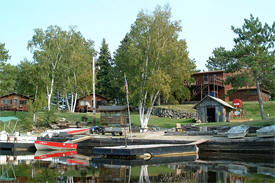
<point>211,114</point>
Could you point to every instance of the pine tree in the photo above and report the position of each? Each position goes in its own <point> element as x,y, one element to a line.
<point>104,72</point>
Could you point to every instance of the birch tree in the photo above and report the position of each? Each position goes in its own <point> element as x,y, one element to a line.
<point>77,68</point>
<point>155,61</point>
<point>48,49</point>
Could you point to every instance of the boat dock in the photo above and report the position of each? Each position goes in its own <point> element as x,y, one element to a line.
<point>149,151</point>
<point>17,146</point>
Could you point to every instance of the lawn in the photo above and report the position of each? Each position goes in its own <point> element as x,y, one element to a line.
<point>251,112</point>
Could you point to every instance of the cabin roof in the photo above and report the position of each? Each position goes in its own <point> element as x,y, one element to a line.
<point>208,72</point>
<point>112,108</point>
<point>92,94</point>
<point>215,99</point>
<point>13,93</point>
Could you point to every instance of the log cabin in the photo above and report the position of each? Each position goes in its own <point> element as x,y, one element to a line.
<point>14,102</point>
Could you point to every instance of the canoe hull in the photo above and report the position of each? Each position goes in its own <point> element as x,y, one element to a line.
<point>48,145</point>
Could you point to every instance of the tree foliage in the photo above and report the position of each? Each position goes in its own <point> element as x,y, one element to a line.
<point>4,56</point>
<point>252,57</point>
<point>155,60</point>
<point>62,57</point>
<point>104,75</point>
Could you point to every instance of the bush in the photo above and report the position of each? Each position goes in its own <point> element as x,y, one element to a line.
<point>85,118</point>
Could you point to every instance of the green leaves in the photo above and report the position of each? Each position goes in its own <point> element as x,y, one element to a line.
<point>153,57</point>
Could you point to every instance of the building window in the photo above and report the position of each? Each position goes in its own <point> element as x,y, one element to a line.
<point>15,102</point>
<point>23,102</point>
<point>84,103</point>
<point>9,102</point>
<point>205,77</point>
<point>3,101</point>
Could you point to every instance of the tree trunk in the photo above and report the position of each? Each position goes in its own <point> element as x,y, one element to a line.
<point>144,119</point>
<point>50,94</point>
<point>260,99</point>
<point>75,98</point>
<point>34,117</point>
<point>67,102</point>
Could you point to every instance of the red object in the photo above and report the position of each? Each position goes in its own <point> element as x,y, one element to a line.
<point>74,132</point>
<point>43,145</point>
<point>237,103</point>
<point>56,154</point>
<point>77,162</point>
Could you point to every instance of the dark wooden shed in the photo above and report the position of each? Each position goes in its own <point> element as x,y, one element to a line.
<point>212,109</point>
<point>113,115</point>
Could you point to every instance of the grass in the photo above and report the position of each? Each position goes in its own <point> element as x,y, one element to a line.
<point>251,110</point>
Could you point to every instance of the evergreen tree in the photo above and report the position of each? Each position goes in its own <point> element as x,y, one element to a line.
<point>252,58</point>
<point>104,75</point>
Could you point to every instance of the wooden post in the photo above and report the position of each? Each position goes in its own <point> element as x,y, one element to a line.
<point>201,91</point>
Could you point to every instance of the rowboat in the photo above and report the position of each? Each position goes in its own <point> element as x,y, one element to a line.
<point>65,132</point>
<point>49,145</point>
<point>237,132</point>
<point>268,131</point>
<point>39,155</point>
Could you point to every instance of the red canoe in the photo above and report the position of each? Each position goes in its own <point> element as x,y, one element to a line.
<point>48,145</point>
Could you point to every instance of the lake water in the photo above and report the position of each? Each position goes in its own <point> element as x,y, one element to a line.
<point>71,167</point>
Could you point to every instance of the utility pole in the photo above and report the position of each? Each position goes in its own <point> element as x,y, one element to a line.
<point>94,100</point>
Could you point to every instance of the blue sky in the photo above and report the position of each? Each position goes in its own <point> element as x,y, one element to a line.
<point>206,23</point>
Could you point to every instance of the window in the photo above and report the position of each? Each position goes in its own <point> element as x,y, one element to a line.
<point>3,101</point>
<point>15,102</point>
<point>23,102</point>
<point>9,102</point>
<point>205,77</point>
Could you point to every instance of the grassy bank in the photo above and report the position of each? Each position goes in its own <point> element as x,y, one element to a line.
<point>251,111</point>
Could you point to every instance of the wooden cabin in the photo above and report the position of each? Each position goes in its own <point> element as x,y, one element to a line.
<point>14,102</point>
<point>85,104</point>
<point>212,109</point>
<point>212,83</point>
<point>113,115</point>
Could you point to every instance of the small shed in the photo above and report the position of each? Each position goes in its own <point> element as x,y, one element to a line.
<point>212,109</point>
<point>14,102</point>
<point>113,115</point>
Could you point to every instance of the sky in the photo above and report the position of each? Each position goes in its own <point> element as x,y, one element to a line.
<point>206,24</point>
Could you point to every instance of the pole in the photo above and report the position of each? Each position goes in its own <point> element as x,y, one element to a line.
<point>94,100</point>
<point>127,98</point>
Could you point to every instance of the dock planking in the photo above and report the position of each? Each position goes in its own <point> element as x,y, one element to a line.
<point>152,150</point>
<point>17,146</point>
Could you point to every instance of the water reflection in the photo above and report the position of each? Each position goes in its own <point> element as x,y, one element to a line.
<point>72,167</point>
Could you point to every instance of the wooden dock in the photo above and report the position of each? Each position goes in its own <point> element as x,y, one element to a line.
<point>148,151</point>
<point>17,146</point>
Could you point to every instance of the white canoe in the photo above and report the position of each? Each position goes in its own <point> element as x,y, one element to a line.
<point>64,132</point>
<point>237,132</point>
<point>49,145</point>
<point>268,131</point>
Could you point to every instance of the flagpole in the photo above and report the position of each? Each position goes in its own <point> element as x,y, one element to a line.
<point>127,98</point>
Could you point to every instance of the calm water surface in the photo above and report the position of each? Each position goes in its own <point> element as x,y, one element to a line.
<point>70,167</point>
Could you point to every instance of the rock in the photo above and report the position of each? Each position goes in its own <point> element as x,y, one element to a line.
<point>170,113</point>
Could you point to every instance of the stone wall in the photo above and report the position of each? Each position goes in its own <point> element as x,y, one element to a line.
<point>170,113</point>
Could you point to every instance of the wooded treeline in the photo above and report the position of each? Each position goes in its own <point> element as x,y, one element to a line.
<point>152,56</point>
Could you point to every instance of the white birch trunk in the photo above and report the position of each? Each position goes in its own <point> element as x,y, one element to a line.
<point>144,118</point>
<point>67,102</point>
<point>75,98</point>
<point>49,93</point>
<point>72,100</point>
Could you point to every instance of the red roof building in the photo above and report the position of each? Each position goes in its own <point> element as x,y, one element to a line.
<point>212,83</point>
